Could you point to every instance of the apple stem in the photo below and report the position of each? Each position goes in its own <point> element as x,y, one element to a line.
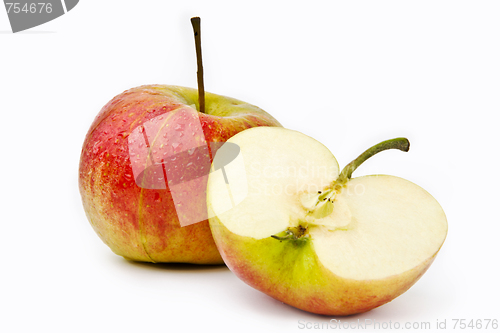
<point>397,143</point>
<point>195,22</point>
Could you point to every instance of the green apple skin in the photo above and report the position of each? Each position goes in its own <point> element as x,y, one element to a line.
<point>290,272</point>
<point>142,224</point>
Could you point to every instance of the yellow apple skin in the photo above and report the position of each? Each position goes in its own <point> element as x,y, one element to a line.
<point>290,272</point>
<point>142,224</point>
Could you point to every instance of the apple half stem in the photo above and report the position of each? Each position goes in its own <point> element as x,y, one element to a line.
<point>397,143</point>
<point>196,23</point>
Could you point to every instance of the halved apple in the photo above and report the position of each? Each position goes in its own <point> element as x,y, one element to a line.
<point>312,237</point>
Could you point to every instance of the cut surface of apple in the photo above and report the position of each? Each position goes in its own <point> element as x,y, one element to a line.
<point>312,237</point>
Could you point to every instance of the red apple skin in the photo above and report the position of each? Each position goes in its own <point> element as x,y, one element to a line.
<point>291,273</point>
<point>142,224</point>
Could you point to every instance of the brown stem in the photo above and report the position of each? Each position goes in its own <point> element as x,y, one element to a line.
<point>195,22</point>
<point>399,143</point>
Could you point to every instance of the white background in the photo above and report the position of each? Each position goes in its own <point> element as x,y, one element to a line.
<point>350,74</point>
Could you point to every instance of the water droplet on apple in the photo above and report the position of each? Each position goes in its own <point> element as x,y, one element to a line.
<point>96,147</point>
<point>176,145</point>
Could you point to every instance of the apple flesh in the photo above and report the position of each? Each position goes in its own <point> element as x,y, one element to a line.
<point>312,237</point>
<point>140,142</point>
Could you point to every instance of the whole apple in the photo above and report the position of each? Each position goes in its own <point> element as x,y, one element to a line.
<point>144,168</point>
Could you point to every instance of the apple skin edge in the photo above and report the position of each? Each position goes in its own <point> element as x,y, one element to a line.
<point>142,224</point>
<point>292,273</point>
